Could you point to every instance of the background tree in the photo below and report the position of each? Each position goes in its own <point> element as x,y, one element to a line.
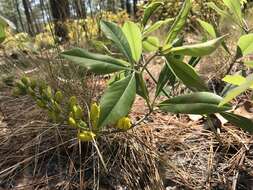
<point>28,17</point>
<point>60,12</point>
<point>128,7</point>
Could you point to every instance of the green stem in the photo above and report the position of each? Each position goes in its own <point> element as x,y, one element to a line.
<point>156,82</point>
<point>146,63</point>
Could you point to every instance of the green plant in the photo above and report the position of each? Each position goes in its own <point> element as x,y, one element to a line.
<point>132,41</point>
<point>134,38</point>
<point>4,23</point>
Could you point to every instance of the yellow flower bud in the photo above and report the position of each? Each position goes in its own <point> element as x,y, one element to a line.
<point>94,114</point>
<point>82,125</point>
<point>72,122</point>
<point>127,123</point>
<point>42,86</point>
<point>58,96</point>
<point>57,107</point>
<point>124,123</point>
<point>78,112</point>
<point>86,136</point>
<point>71,114</point>
<point>49,92</point>
<point>72,101</point>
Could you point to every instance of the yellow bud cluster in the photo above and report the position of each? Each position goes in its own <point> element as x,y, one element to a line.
<point>94,114</point>
<point>86,136</point>
<point>124,124</point>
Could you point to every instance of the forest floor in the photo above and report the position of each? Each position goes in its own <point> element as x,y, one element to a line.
<point>166,152</point>
<point>171,152</point>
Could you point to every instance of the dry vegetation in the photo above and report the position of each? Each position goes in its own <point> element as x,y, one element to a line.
<point>165,152</point>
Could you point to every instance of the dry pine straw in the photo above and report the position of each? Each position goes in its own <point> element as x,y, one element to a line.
<point>168,151</point>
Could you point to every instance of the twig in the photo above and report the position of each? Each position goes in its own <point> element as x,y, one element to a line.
<point>231,64</point>
<point>147,62</point>
<point>235,178</point>
<point>156,82</point>
<point>210,123</point>
<point>100,155</point>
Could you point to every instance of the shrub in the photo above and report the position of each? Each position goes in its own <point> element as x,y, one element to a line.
<point>132,41</point>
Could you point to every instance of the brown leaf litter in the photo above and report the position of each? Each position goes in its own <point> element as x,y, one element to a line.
<point>166,152</point>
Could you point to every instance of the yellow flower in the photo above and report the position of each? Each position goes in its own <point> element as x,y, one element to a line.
<point>94,114</point>
<point>72,101</point>
<point>72,122</point>
<point>58,96</point>
<point>86,136</point>
<point>124,123</point>
<point>78,112</point>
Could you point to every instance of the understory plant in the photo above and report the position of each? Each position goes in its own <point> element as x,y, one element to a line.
<point>138,47</point>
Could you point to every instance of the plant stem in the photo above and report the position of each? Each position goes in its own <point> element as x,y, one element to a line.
<point>231,65</point>
<point>148,61</point>
<point>156,82</point>
<point>142,119</point>
<point>210,123</point>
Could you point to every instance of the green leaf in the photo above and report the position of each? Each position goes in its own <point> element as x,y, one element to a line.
<point>179,22</point>
<point>195,103</point>
<point>243,2</point>
<point>165,76</point>
<point>141,88</point>
<point>208,28</point>
<point>156,26</point>
<point>97,63</point>
<point>100,46</point>
<point>239,121</point>
<point>197,50</point>
<point>245,45</point>
<point>218,10</point>
<point>234,79</point>
<point>225,13</point>
<point>186,74</point>
<point>3,25</point>
<point>151,44</point>
<point>212,32</point>
<point>194,61</point>
<point>149,10</point>
<point>248,63</point>
<point>2,33</point>
<point>235,8</point>
<point>115,33</point>
<point>238,90</point>
<point>134,38</point>
<point>117,100</point>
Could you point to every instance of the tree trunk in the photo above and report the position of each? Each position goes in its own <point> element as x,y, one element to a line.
<point>128,7</point>
<point>19,15</point>
<point>122,4</point>
<point>135,7</point>
<point>35,24</point>
<point>60,12</point>
<point>78,8</point>
<point>111,5</point>
<point>28,17</point>
<point>83,8</point>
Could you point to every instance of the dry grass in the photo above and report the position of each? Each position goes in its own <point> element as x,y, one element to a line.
<point>168,151</point>
<point>49,155</point>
